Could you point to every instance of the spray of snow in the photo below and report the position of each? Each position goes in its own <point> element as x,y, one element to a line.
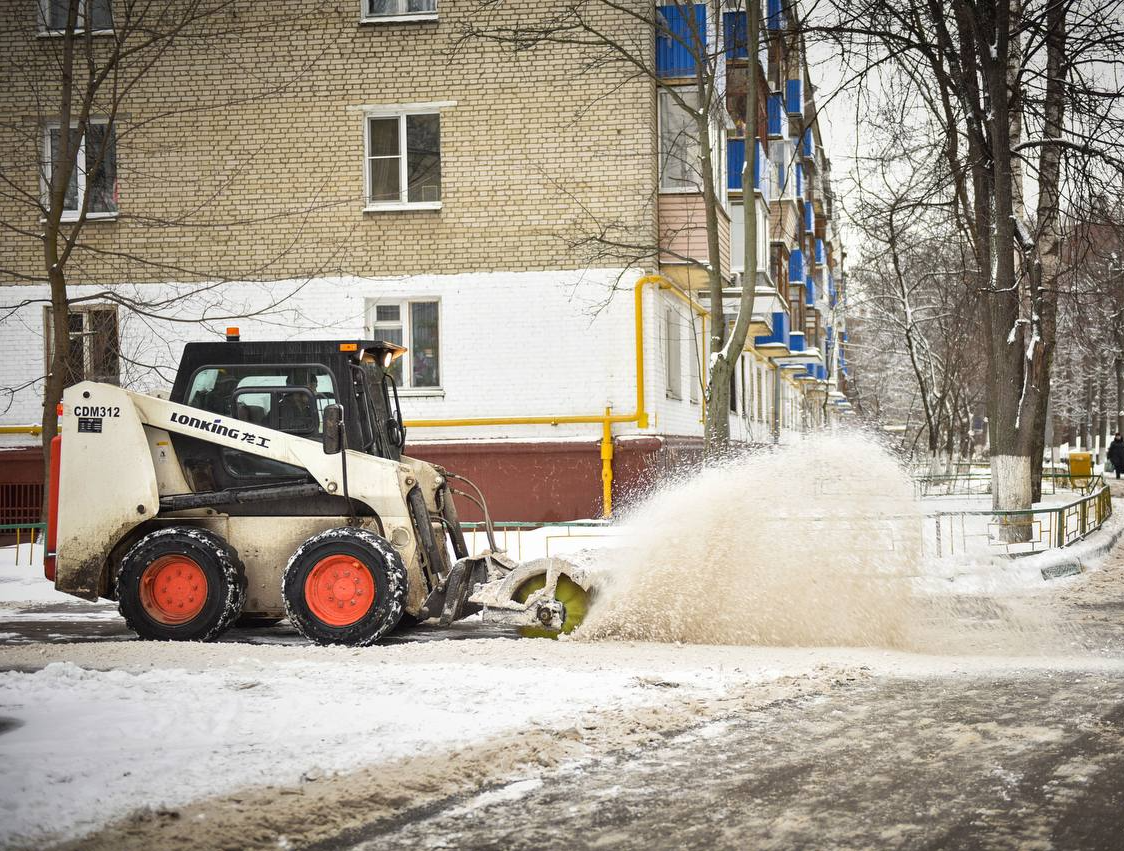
<point>815,544</point>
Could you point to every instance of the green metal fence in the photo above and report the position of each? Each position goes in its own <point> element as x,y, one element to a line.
<point>1025,531</point>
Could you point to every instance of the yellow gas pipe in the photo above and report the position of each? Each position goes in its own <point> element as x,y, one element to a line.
<point>640,416</point>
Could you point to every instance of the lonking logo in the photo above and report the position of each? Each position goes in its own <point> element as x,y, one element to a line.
<point>216,426</point>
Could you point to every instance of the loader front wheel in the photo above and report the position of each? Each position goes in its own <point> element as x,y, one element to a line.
<point>180,584</point>
<point>574,599</point>
<point>345,586</point>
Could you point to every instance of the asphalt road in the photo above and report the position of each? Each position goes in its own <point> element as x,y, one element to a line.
<point>1008,763</point>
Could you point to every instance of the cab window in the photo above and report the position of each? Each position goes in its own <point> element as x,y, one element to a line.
<point>285,398</point>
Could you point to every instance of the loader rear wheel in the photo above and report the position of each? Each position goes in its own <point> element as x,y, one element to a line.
<point>180,584</point>
<point>345,586</point>
<point>572,596</point>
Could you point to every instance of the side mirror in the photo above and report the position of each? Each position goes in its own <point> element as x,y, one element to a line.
<point>333,429</point>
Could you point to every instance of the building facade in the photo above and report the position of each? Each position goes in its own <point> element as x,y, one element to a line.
<point>382,168</point>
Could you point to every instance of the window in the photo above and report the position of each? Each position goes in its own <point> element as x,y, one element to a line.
<point>679,144</point>
<point>54,15</point>
<point>693,367</point>
<point>286,398</point>
<point>94,175</point>
<point>415,325</point>
<point>680,154</point>
<point>404,161</point>
<point>674,355</point>
<point>93,353</point>
<point>381,10</point>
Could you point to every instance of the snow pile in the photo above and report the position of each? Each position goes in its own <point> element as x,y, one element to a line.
<point>22,579</point>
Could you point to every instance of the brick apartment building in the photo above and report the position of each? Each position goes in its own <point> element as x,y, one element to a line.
<point>359,169</point>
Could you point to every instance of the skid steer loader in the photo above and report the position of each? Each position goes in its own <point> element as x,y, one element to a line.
<point>271,483</point>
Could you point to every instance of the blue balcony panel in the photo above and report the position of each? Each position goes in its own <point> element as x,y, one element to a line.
<point>796,341</point>
<point>821,253</point>
<point>677,43</point>
<point>809,144</point>
<point>735,162</point>
<point>735,33</point>
<point>810,218</point>
<point>774,17</point>
<point>776,115</point>
<point>794,97</point>
<point>810,292</point>
<point>799,180</point>
<point>796,266</point>
<point>779,337</point>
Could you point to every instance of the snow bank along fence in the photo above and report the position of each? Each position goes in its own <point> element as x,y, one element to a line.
<point>1049,524</point>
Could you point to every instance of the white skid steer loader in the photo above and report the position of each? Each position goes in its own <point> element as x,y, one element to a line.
<point>272,484</point>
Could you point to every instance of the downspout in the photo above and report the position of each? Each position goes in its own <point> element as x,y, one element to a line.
<point>606,420</point>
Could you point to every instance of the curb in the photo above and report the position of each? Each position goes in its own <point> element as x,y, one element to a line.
<point>1076,565</point>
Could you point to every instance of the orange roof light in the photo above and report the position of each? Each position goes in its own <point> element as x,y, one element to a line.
<point>58,409</point>
<point>232,335</point>
<point>349,347</point>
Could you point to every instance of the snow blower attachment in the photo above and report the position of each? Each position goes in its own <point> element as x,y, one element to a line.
<point>272,484</point>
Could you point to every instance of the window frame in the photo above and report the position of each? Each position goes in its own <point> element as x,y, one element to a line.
<point>79,168</point>
<point>365,16</point>
<point>400,114</point>
<point>405,322</point>
<point>45,30</point>
<point>673,354</point>
<point>87,337</point>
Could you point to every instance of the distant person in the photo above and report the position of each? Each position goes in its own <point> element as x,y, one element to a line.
<point>1116,453</point>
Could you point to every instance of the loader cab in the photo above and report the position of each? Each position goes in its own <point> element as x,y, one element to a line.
<point>286,386</point>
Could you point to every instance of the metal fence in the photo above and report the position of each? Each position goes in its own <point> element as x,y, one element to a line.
<point>978,483</point>
<point>1025,531</point>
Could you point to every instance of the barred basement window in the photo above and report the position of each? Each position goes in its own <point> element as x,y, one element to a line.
<point>399,10</point>
<point>53,16</point>
<point>94,172</point>
<point>93,351</point>
<point>404,161</point>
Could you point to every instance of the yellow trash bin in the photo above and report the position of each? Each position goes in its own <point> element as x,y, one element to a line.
<point>1080,470</point>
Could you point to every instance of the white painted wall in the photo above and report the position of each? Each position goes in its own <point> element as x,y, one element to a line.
<point>512,344</point>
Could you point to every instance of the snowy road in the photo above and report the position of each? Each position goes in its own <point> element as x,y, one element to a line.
<point>470,738</point>
<point>1012,762</point>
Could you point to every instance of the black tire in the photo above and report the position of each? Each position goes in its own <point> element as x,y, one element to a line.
<point>256,621</point>
<point>378,571</point>
<point>216,562</point>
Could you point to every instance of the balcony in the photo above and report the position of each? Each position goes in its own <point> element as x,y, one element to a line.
<point>774,15</point>
<point>682,233</point>
<point>680,39</point>
<point>777,126</point>
<point>794,97</point>
<point>735,33</point>
<point>775,343</point>
<point>809,147</point>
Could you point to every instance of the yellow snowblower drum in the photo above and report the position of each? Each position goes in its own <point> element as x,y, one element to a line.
<point>567,592</point>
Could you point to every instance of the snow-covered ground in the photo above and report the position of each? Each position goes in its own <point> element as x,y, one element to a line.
<point>91,732</point>
<point>134,724</point>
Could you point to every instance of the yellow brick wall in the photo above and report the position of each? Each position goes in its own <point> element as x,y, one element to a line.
<point>240,154</point>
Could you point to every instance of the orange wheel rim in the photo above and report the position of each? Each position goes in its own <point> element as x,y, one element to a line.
<point>339,590</point>
<point>173,589</point>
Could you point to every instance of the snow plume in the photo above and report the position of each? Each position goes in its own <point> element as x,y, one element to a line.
<point>814,544</point>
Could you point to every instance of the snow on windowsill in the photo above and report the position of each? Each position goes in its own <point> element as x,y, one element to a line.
<point>416,205</point>
<point>417,17</point>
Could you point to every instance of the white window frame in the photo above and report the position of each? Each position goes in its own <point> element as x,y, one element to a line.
<point>400,113</point>
<point>371,327</point>
<point>79,167</point>
<point>45,31</point>
<point>365,16</point>
<point>673,353</point>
